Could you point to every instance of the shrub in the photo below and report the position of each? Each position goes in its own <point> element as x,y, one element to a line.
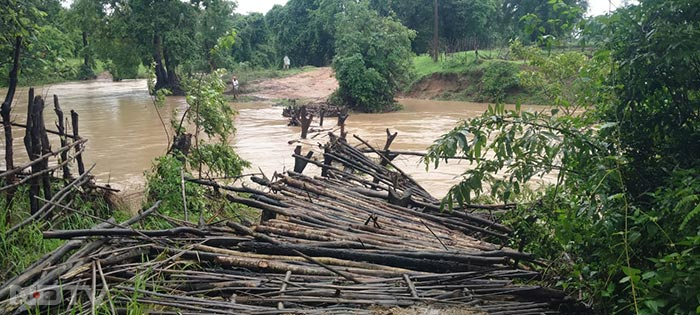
<point>373,59</point>
<point>498,78</point>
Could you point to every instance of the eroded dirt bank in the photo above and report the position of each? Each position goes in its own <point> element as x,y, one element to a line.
<point>315,84</point>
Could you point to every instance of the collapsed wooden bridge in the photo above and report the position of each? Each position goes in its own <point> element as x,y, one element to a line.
<point>358,239</point>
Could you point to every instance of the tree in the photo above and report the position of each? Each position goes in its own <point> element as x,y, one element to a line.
<point>300,32</point>
<point>621,223</point>
<point>86,16</point>
<point>254,41</point>
<point>215,20</point>
<point>658,81</point>
<point>202,145</point>
<point>372,59</point>
<point>462,24</point>
<point>543,20</point>
<point>163,30</point>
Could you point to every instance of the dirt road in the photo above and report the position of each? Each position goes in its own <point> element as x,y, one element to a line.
<point>315,84</point>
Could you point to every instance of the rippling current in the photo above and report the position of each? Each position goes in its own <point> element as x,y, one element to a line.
<point>125,134</point>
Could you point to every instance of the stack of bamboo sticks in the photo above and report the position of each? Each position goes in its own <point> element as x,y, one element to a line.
<point>325,245</point>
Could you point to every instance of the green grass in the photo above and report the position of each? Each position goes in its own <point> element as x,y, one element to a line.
<point>469,72</point>
<point>26,245</point>
<point>458,62</point>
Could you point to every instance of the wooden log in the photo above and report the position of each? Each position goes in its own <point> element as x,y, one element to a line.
<point>62,131</point>
<point>38,174</point>
<point>45,148</point>
<point>67,234</point>
<point>322,113</point>
<point>47,207</point>
<point>76,136</point>
<point>33,146</point>
<point>280,305</point>
<point>329,268</point>
<point>417,264</point>
<point>411,287</point>
<point>342,117</point>
<point>42,264</point>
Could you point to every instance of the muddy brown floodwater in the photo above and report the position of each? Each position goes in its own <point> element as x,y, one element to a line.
<point>125,134</point>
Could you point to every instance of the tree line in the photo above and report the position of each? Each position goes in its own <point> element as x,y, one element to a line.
<point>202,35</point>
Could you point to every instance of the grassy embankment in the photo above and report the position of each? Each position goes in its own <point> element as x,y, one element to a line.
<point>492,77</point>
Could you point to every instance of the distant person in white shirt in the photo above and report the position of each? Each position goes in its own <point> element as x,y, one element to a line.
<point>234,81</point>
<point>286,62</point>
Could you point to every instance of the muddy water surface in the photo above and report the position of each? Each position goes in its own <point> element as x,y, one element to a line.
<point>125,133</point>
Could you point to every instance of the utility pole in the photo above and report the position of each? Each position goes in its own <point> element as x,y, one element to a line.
<point>436,39</point>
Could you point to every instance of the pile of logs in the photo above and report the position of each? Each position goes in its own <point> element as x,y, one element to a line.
<point>334,244</point>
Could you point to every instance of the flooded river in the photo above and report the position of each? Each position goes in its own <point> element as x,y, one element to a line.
<point>125,134</point>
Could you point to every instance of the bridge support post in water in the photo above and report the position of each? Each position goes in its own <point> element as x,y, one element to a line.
<point>299,162</point>
<point>306,120</point>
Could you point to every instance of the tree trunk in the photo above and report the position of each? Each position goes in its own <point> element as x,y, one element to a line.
<point>7,124</point>
<point>173,83</point>
<point>161,74</point>
<point>436,38</point>
<point>86,53</point>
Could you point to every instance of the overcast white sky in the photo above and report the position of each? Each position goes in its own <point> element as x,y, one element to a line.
<point>244,6</point>
<point>262,6</point>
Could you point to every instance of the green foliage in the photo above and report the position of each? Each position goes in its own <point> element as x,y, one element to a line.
<point>498,78</point>
<point>215,33</point>
<point>210,115</point>
<point>255,42</point>
<point>462,24</point>
<point>620,224</point>
<point>570,80</point>
<point>543,22</point>
<point>523,144</point>
<point>164,183</point>
<point>305,30</point>
<point>658,83</point>
<point>23,247</point>
<point>373,60</point>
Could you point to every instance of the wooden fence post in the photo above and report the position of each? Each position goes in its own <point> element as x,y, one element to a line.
<point>32,144</point>
<point>62,134</point>
<point>76,137</point>
<point>342,116</point>
<point>43,145</point>
<point>7,127</point>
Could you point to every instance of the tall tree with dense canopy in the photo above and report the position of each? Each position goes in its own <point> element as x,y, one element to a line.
<point>301,32</point>
<point>165,30</point>
<point>86,16</point>
<point>215,20</point>
<point>373,58</point>
<point>254,41</point>
<point>536,19</point>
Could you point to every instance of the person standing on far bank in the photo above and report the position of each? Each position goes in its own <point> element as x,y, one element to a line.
<point>286,62</point>
<point>234,81</point>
